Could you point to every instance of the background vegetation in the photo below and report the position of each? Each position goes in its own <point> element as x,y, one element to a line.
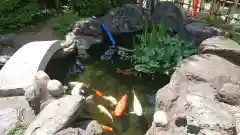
<point>18,14</point>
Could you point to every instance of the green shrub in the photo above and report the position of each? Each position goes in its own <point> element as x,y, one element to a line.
<point>62,22</point>
<point>17,13</point>
<point>96,7</point>
<point>91,7</point>
<point>218,22</point>
<point>18,130</point>
<point>157,52</point>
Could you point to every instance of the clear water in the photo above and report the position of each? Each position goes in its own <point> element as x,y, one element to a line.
<point>101,74</point>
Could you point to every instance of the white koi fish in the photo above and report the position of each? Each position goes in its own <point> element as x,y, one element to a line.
<point>137,107</point>
<point>110,99</point>
<point>105,111</point>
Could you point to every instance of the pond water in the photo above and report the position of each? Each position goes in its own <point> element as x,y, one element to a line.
<point>101,74</point>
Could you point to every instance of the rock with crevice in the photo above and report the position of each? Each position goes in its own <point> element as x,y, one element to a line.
<point>229,93</point>
<point>197,32</point>
<point>193,99</point>
<point>223,47</point>
<point>56,115</point>
<point>125,19</point>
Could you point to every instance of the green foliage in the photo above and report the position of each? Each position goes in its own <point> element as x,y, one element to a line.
<point>218,22</point>
<point>96,7</point>
<point>19,130</point>
<point>62,22</point>
<point>17,13</point>
<point>91,7</point>
<point>157,52</point>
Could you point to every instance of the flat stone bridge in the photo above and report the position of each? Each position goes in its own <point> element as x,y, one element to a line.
<point>19,71</point>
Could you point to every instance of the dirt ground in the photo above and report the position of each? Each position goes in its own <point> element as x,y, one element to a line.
<point>40,32</point>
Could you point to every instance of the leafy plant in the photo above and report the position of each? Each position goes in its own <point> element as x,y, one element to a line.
<point>157,52</point>
<point>234,33</point>
<point>18,130</point>
<point>17,13</point>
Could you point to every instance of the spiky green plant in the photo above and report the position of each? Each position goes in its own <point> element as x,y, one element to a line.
<point>157,52</point>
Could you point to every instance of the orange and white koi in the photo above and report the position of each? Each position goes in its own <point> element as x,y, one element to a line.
<point>98,92</point>
<point>121,106</point>
<point>106,128</point>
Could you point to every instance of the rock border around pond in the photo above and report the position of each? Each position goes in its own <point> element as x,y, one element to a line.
<point>202,95</point>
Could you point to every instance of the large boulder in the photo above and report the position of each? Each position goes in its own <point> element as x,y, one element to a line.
<point>223,47</point>
<point>56,115</point>
<point>128,18</point>
<point>84,128</point>
<point>198,31</point>
<point>125,19</point>
<point>172,15</point>
<point>192,99</point>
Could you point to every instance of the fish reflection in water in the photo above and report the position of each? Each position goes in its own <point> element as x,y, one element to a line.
<point>108,54</point>
<point>151,99</point>
<point>75,69</point>
<point>143,123</point>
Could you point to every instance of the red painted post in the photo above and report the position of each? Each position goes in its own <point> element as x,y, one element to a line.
<point>194,8</point>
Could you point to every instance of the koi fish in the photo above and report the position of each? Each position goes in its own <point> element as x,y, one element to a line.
<point>137,107</point>
<point>126,72</point>
<point>106,128</point>
<point>121,106</point>
<point>98,92</point>
<point>111,99</point>
<point>77,89</point>
<point>105,111</point>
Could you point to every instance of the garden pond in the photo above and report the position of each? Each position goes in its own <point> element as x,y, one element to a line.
<point>101,74</point>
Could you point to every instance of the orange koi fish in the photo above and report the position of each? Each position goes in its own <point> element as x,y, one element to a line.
<point>126,72</point>
<point>98,92</point>
<point>106,128</point>
<point>121,106</point>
